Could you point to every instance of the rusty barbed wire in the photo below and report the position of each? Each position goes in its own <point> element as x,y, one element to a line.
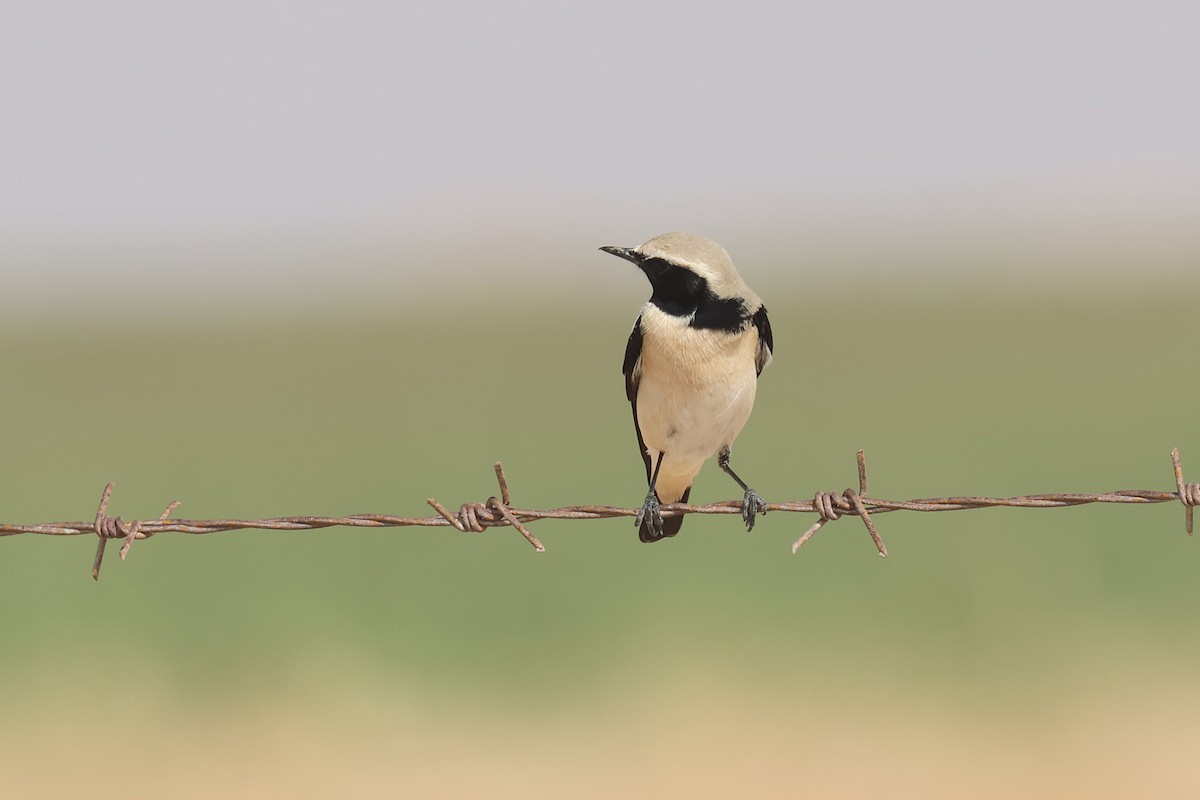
<point>499,512</point>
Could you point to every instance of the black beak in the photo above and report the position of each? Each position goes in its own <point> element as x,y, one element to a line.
<point>627,253</point>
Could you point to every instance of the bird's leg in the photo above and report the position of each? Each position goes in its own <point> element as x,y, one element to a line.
<point>650,507</point>
<point>752,501</point>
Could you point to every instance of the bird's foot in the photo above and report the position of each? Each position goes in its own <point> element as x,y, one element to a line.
<point>649,513</point>
<point>752,504</point>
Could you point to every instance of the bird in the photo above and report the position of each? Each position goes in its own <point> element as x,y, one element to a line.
<point>691,370</point>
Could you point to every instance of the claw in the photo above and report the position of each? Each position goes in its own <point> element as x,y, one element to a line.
<point>752,504</point>
<point>650,508</point>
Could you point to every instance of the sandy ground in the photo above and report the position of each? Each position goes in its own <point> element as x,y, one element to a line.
<point>694,738</point>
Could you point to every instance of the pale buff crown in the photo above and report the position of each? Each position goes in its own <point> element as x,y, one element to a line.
<point>704,257</point>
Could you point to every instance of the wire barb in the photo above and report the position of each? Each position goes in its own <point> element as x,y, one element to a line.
<point>106,527</point>
<point>477,517</point>
<point>446,515</point>
<point>103,528</point>
<point>830,506</point>
<point>1189,493</point>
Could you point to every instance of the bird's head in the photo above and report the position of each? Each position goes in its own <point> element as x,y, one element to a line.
<point>683,268</point>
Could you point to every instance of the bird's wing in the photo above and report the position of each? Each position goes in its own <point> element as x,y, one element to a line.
<point>633,376</point>
<point>766,343</point>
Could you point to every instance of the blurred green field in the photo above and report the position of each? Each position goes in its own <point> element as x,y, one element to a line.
<point>1038,652</point>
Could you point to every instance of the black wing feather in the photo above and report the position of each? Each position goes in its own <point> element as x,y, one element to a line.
<point>633,352</point>
<point>766,342</point>
<point>632,370</point>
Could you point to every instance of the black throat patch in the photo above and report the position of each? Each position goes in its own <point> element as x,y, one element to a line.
<point>682,293</point>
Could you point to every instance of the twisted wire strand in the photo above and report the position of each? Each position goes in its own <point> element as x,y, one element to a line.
<point>499,512</point>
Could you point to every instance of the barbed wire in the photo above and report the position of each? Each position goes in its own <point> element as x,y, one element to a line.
<point>499,512</point>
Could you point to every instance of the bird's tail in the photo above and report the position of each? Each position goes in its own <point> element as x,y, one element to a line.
<point>671,525</point>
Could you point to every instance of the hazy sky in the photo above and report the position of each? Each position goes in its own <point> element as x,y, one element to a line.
<point>249,144</point>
